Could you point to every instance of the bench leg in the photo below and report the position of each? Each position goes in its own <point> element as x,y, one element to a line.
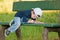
<point>45,34</point>
<point>2,37</point>
<point>59,35</point>
<point>18,34</point>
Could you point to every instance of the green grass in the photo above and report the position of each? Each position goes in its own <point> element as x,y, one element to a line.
<point>32,33</point>
<point>5,17</point>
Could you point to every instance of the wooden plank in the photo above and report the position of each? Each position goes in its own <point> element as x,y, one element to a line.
<point>35,24</point>
<point>4,23</point>
<point>44,5</point>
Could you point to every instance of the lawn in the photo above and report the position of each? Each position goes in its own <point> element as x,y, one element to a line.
<point>32,33</point>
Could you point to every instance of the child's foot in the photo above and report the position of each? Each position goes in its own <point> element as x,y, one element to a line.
<point>7,33</point>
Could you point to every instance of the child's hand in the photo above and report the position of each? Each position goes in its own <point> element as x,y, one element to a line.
<point>31,21</point>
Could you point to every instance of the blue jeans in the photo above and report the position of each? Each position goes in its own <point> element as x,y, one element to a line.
<point>16,25</point>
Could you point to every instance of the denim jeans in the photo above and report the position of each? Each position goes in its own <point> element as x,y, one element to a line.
<point>16,25</point>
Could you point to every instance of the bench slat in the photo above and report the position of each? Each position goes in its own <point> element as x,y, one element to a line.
<point>35,24</point>
<point>44,5</point>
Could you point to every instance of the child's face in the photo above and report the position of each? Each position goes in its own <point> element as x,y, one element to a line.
<point>33,15</point>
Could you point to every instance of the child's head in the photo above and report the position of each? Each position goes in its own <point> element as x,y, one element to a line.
<point>38,12</point>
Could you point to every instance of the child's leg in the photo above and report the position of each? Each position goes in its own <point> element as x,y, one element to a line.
<point>16,24</point>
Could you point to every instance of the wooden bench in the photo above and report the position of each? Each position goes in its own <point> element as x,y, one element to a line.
<point>44,5</point>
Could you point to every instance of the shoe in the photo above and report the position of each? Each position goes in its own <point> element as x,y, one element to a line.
<point>7,33</point>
